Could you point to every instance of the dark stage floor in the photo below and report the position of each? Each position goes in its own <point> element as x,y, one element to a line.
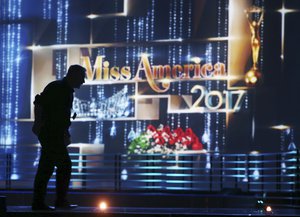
<point>19,211</point>
<point>228,203</point>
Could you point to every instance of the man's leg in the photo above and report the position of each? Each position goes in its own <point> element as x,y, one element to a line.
<point>44,172</point>
<point>63,175</point>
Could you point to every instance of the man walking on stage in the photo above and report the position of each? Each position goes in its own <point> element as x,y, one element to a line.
<point>51,125</point>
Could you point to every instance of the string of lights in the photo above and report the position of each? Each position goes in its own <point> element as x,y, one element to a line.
<point>47,9</point>
<point>207,136</point>
<point>225,57</point>
<point>10,79</point>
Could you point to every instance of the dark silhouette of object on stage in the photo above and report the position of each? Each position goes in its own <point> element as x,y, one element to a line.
<point>52,121</point>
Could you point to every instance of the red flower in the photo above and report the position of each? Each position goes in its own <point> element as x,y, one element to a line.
<point>160,140</point>
<point>197,145</point>
<point>167,130</point>
<point>172,141</point>
<point>189,140</point>
<point>189,131</point>
<point>164,136</point>
<point>151,128</point>
<point>178,132</point>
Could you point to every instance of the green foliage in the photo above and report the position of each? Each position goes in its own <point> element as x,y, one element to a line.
<point>139,145</point>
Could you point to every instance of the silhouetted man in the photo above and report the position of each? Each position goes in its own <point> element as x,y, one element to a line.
<point>51,125</point>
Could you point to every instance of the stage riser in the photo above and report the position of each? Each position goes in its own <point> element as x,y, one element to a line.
<point>149,212</point>
<point>156,200</point>
<point>144,200</point>
<point>54,214</point>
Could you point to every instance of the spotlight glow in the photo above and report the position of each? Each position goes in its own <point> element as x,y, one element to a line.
<point>196,60</point>
<point>144,55</point>
<point>165,81</point>
<point>280,127</point>
<point>92,16</point>
<point>269,209</point>
<point>102,205</point>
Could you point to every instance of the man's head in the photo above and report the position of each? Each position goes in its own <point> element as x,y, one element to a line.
<point>75,76</point>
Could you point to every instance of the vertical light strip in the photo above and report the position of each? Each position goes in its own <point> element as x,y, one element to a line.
<point>62,21</point>
<point>262,38</point>
<point>170,117</point>
<point>187,117</point>
<point>59,18</point>
<point>147,27</point>
<point>58,57</point>
<point>179,47</point>
<point>3,78</point>
<point>98,137</point>
<point>125,134</point>
<point>131,132</point>
<point>90,133</point>
<point>11,59</point>
<point>17,70</point>
<point>219,26</point>
<point>66,20</point>
<point>207,116</point>
<point>61,37</point>
<point>225,59</point>
<point>10,78</point>
<point>134,56</point>
<point>47,8</point>
<point>152,29</point>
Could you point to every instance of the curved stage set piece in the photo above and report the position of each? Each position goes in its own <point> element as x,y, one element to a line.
<point>189,107</point>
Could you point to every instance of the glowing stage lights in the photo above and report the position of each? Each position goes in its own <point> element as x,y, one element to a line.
<point>102,206</point>
<point>144,55</point>
<point>196,60</point>
<point>262,207</point>
<point>268,209</point>
<point>280,127</point>
<point>92,16</point>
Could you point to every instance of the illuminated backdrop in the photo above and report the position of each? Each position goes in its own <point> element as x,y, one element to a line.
<point>191,43</point>
<point>116,101</point>
<point>173,34</point>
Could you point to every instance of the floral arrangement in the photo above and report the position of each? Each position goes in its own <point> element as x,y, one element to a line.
<point>165,141</point>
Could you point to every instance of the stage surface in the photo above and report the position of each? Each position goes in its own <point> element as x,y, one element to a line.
<point>226,203</point>
<point>22,211</point>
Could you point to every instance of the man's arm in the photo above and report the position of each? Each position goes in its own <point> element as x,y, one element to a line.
<point>38,115</point>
